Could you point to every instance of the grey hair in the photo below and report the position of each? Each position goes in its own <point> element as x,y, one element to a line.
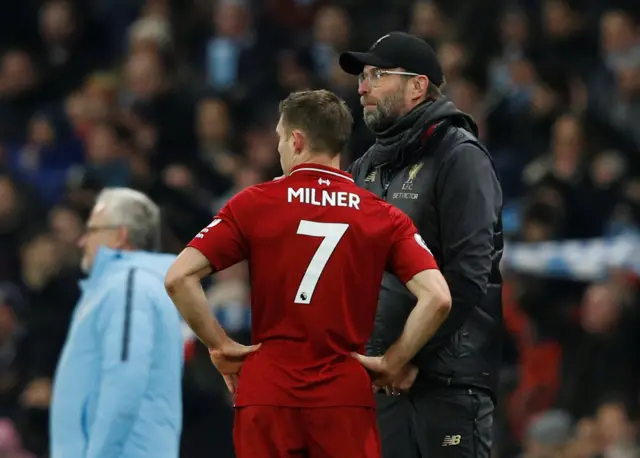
<point>134,211</point>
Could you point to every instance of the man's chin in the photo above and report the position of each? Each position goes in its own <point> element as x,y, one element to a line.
<point>369,113</point>
<point>372,120</point>
<point>378,122</point>
<point>85,266</point>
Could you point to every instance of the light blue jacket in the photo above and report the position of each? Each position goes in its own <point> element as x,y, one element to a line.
<point>117,388</point>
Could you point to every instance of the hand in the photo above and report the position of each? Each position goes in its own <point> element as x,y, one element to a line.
<point>392,379</point>
<point>404,384</point>
<point>232,382</point>
<point>229,358</point>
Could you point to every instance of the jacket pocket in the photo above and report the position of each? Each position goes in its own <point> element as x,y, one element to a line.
<point>461,342</point>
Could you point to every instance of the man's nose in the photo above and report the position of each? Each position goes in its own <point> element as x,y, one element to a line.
<point>81,241</point>
<point>363,87</point>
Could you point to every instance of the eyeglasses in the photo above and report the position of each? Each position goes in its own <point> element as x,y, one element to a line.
<point>373,77</point>
<point>107,227</point>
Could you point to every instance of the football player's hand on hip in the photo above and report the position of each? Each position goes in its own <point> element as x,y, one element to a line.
<point>232,382</point>
<point>384,376</point>
<point>404,383</point>
<point>230,357</point>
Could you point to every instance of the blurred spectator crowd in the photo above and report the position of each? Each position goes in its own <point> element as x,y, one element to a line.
<point>179,99</point>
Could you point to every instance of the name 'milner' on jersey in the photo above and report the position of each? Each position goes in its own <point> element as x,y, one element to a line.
<point>317,246</point>
<point>323,197</point>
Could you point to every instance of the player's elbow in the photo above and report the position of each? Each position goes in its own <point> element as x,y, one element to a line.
<point>442,300</point>
<point>186,272</point>
<point>431,290</point>
<point>176,280</point>
<point>436,294</point>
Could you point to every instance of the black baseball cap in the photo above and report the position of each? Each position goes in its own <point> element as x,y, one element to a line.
<point>396,49</point>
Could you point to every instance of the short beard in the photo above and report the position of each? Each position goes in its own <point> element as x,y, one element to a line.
<point>386,113</point>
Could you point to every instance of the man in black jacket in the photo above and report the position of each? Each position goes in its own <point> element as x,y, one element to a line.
<point>428,162</point>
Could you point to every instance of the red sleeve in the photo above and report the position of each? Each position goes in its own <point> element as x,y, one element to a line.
<point>409,253</point>
<point>222,241</point>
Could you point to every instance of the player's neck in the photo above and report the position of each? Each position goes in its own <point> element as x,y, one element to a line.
<point>322,159</point>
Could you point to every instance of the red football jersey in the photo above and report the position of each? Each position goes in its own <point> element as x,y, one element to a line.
<point>317,246</point>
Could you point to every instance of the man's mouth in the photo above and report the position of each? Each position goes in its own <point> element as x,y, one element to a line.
<point>367,103</point>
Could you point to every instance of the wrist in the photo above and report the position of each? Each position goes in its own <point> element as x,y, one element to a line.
<point>219,343</point>
<point>393,361</point>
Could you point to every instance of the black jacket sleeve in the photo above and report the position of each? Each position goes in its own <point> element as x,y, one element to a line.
<point>354,167</point>
<point>469,202</point>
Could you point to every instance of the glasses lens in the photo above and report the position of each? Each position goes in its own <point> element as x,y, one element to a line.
<point>374,77</point>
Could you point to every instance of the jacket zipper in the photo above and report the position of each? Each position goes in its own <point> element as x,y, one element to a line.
<point>386,178</point>
<point>385,190</point>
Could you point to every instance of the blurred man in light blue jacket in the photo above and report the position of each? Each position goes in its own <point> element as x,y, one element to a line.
<point>117,388</point>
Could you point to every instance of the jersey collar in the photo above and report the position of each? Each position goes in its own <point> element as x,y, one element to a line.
<point>317,169</point>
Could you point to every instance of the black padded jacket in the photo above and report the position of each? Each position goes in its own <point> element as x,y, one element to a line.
<point>431,165</point>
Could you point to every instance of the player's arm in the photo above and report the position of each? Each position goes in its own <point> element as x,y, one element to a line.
<point>431,310</point>
<point>183,286</point>
<point>412,262</point>
<point>218,246</point>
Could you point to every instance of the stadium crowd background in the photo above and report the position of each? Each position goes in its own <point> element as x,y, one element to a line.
<point>178,99</point>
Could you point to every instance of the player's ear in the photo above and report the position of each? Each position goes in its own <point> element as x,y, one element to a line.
<point>298,141</point>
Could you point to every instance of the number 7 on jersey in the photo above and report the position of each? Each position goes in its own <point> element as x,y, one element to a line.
<point>331,234</point>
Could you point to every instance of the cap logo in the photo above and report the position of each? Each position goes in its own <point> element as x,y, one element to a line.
<point>379,40</point>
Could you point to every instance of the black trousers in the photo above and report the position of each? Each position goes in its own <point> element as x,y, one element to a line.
<point>442,422</point>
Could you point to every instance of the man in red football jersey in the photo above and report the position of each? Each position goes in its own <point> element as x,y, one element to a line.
<point>317,246</point>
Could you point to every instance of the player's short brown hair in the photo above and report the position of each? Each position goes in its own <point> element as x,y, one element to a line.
<point>324,118</point>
